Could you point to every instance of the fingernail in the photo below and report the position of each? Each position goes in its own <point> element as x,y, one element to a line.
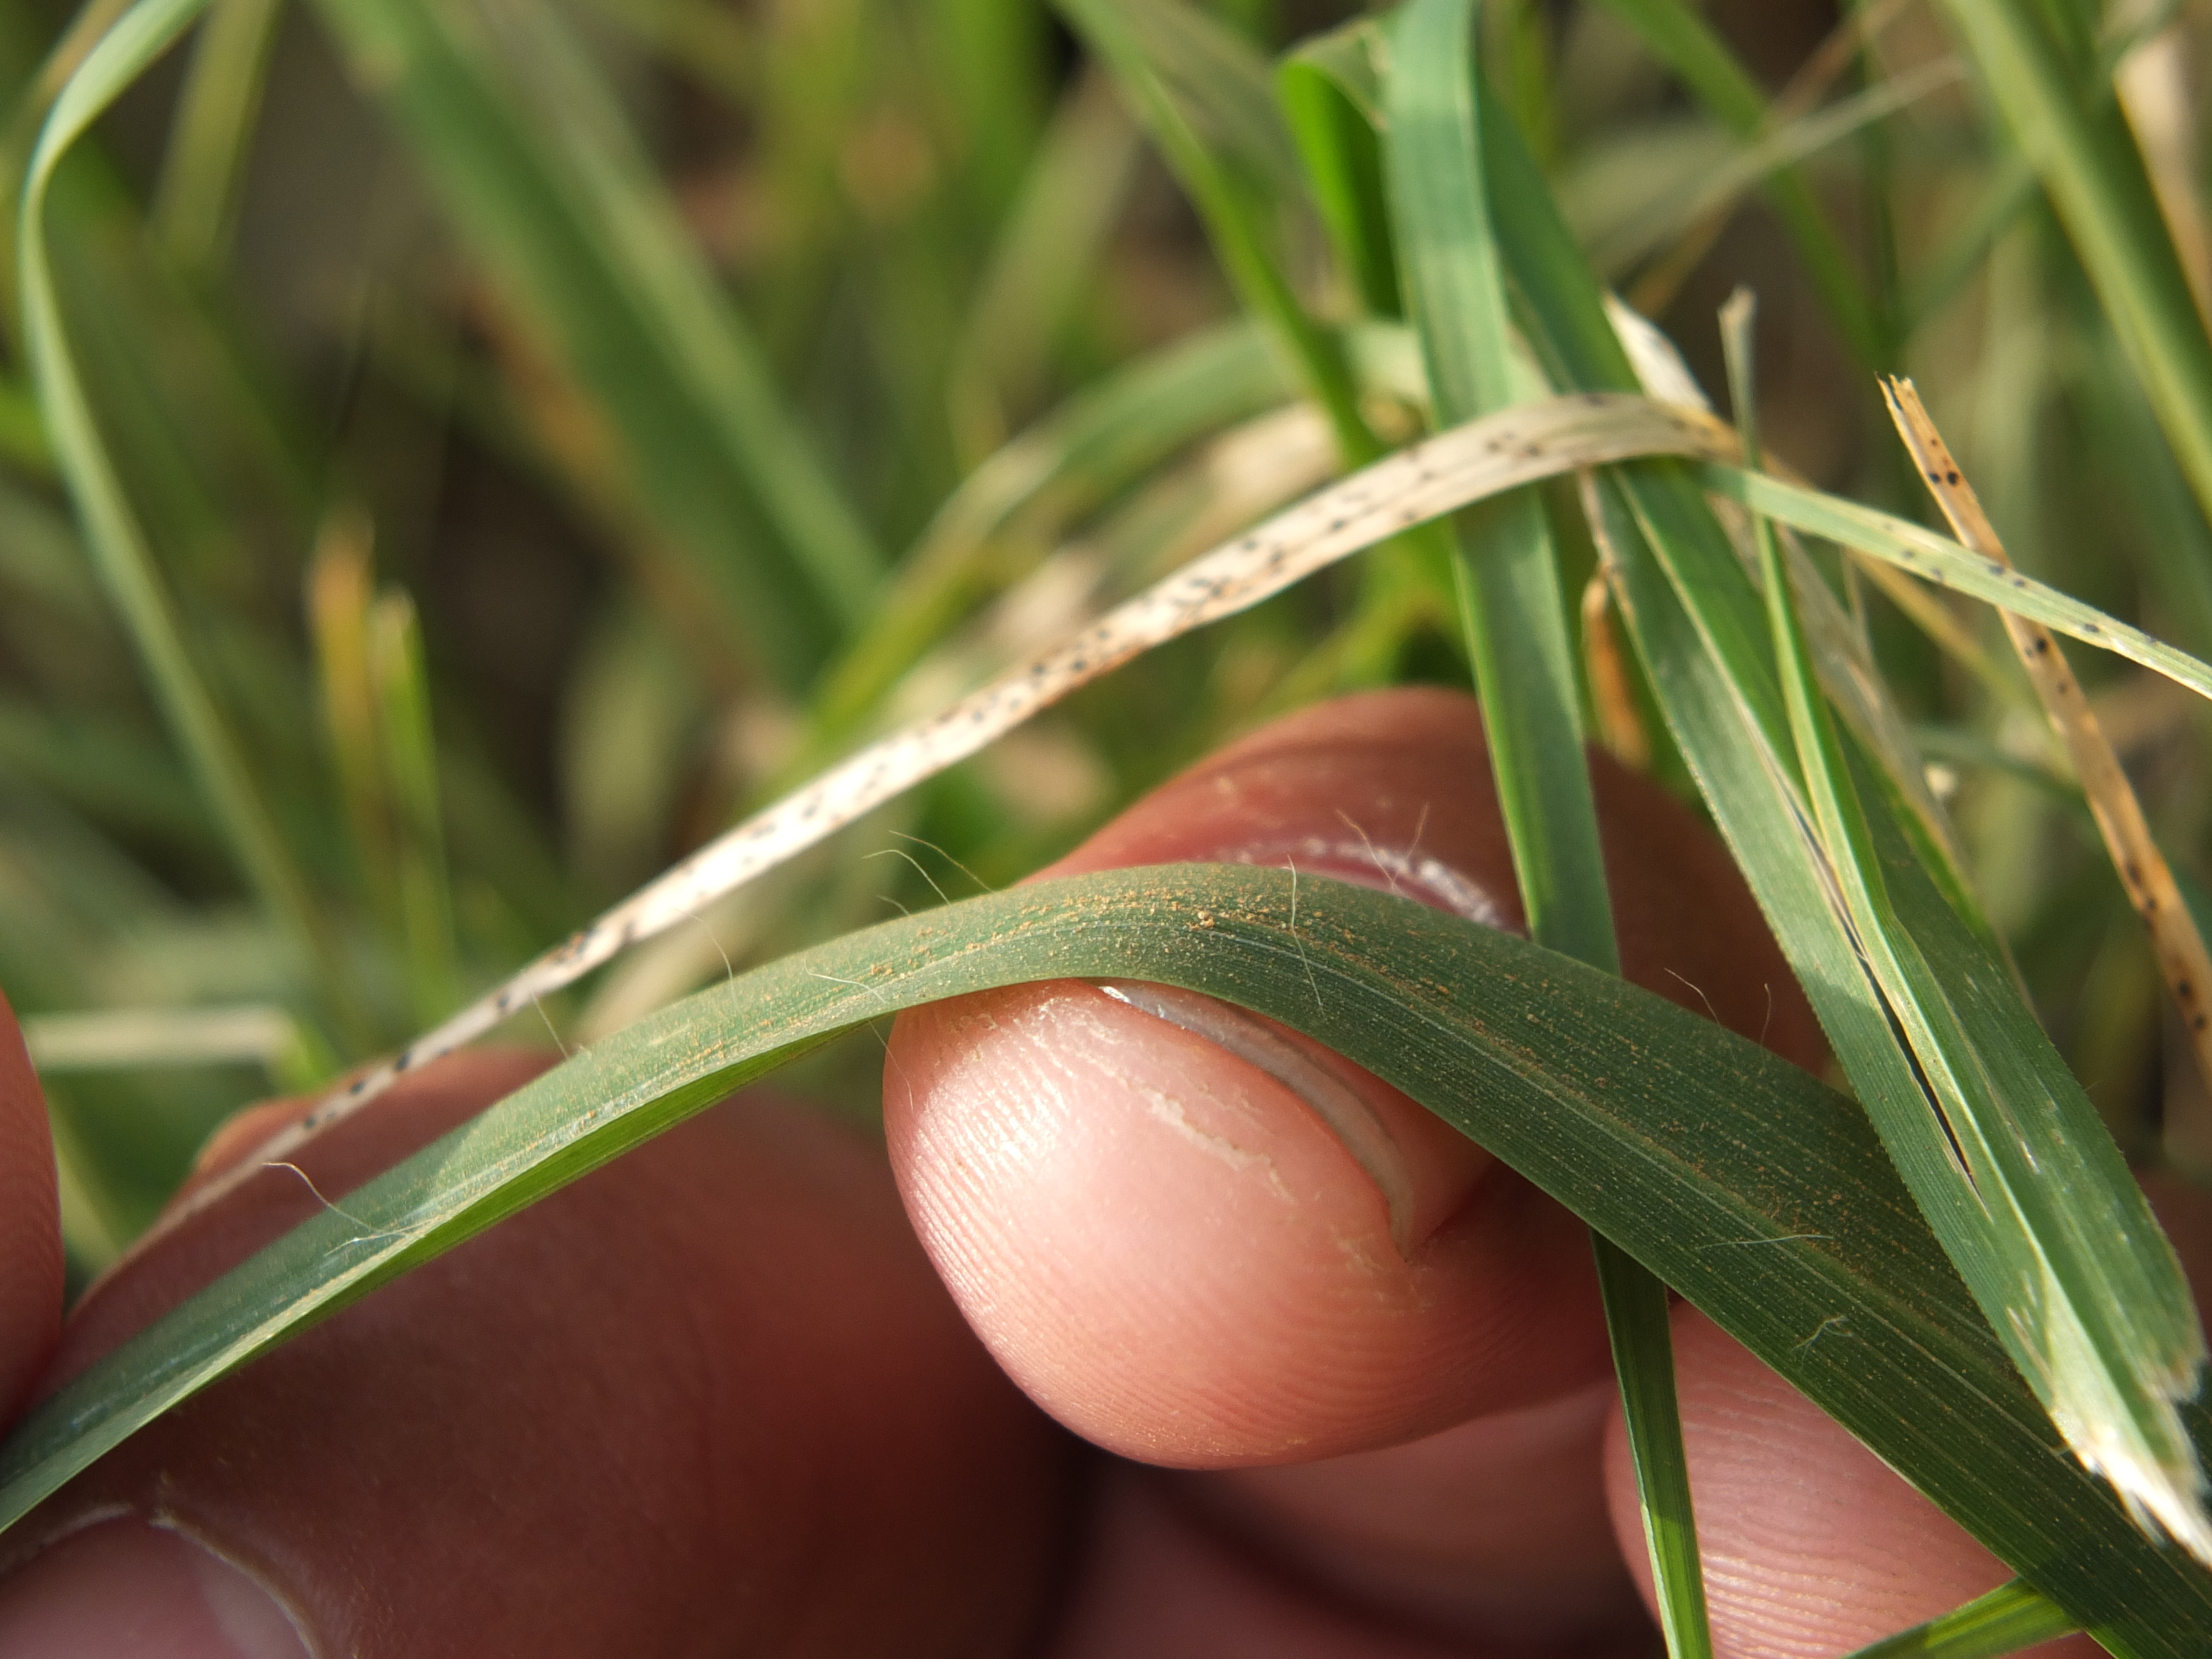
<point>137,1588</point>
<point>1418,1189</point>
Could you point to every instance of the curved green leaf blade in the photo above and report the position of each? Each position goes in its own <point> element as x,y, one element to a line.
<point>1758,1191</point>
<point>115,537</point>
<point>1944,561</point>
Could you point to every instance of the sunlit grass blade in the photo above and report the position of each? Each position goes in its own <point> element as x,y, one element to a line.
<point>113,535</point>
<point>1938,559</point>
<point>204,166</point>
<point>2013,1616</point>
<point>541,176</point>
<point>1507,580</point>
<point>1693,1148</point>
<point>2061,113</point>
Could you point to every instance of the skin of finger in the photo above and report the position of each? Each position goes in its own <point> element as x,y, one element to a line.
<point>1144,1257</point>
<point>1175,1256</point>
<point>1496,1529</point>
<point>1157,1582</point>
<point>1812,1546</point>
<point>30,1223</point>
<point>707,1398</point>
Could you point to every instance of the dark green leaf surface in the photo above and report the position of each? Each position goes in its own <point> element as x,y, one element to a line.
<point>1759,1193</point>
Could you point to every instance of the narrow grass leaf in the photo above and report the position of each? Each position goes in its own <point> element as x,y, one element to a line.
<point>1940,560</point>
<point>2013,1616</point>
<point>113,535</point>
<point>2059,106</point>
<point>1741,1180</point>
<point>212,134</point>
<point>1507,576</point>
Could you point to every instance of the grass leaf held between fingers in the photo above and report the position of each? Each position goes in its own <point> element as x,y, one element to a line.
<point>1599,1092</point>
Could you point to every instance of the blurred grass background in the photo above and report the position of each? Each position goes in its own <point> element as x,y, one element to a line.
<point>558,427</point>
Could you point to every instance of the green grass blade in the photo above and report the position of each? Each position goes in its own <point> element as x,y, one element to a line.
<point>213,133</point>
<point>2011,1617</point>
<point>1606,1095</point>
<point>2070,1268</point>
<point>114,535</point>
<point>1515,626</point>
<point>542,177</point>
<point>1686,43</point>
<point>2061,111</point>
<point>1343,157</point>
<point>1639,1323</point>
<point>401,682</point>
<point>1207,100</point>
<point>1940,560</point>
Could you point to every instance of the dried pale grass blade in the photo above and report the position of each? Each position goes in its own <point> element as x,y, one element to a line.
<point>1467,464</point>
<point>2143,868</point>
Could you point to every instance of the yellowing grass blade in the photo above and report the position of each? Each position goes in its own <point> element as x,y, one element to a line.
<point>2143,868</point>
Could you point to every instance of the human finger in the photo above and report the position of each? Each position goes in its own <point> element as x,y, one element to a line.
<point>1201,1241</point>
<point>708,1399</point>
<point>30,1223</point>
<point>1811,1544</point>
